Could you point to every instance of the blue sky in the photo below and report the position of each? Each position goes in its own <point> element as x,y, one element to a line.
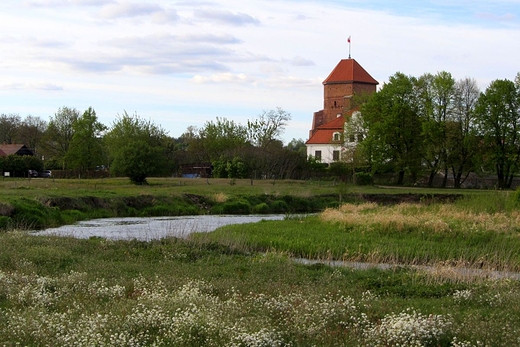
<point>183,63</point>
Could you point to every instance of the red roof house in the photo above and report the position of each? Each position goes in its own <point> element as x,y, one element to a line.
<point>347,79</point>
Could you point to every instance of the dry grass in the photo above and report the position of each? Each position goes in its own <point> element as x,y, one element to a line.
<point>439,218</point>
<point>220,197</point>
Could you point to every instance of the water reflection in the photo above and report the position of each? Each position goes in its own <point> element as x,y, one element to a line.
<point>150,228</point>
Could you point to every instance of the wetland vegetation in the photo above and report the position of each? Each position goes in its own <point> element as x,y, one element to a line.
<point>239,285</point>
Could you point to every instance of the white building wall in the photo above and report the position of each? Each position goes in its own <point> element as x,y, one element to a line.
<point>327,151</point>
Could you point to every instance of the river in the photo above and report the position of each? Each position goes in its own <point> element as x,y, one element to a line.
<point>150,228</point>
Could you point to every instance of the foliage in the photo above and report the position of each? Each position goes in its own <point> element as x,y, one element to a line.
<point>86,150</point>
<point>9,125</point>
<point>394,136</point>
<point>58,135</point>
<point>18,165</point>
<point>499,119</point>
<point>222,138</point>
<point>136,148</point>
<point>363,178</point>
<point>267,127</point>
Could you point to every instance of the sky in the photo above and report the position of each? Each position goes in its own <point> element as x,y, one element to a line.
<point>181,64</point>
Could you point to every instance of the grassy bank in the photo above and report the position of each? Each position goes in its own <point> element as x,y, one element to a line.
<point>43,203</point>
<point>68,292</point>
<point>239,287</point>
<point>463,234</point>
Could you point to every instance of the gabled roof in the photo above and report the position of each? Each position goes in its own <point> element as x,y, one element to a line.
<point>349,70</point>
<point>15,149</point>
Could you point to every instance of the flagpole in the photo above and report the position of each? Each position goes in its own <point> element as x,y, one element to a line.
<point>348,40</point>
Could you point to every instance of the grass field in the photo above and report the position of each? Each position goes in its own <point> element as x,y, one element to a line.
<point>239,285</point>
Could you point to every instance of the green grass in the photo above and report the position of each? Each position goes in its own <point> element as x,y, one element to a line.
<point>62,291</point>
<point>239,287</point>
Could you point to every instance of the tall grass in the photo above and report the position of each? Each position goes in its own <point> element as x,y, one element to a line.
<point>413,234</point>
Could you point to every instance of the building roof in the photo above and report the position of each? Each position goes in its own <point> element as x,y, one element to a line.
<point>324,134</point>
<point>349,70</point>
<point>15,149</point>
<point>2,153</point>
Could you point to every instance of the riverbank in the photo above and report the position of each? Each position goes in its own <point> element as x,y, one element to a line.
<point>37,204</point>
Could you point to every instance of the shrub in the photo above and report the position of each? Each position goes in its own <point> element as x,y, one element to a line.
<point>279,206</point>
<point>236,207</point>
<point>363,179</point>
<point>261,208</point>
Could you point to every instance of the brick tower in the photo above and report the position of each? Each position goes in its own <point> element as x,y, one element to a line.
<point>346,80</point>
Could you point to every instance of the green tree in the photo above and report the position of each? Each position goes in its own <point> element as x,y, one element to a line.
<point>86,149</point>
<point>499,124</point>
<point>436,102</point>
<point>222,138</point>
<point>136,148</point>
<point>462,141</point>
<point>58,136</point>
<point>394,128</point>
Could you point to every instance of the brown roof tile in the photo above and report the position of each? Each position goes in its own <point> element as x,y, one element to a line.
<point>349,70</point>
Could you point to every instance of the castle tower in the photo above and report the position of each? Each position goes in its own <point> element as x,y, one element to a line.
<point>346,80</point>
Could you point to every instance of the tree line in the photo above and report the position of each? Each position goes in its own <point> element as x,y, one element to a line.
<point>412,128</point>
<point>138,148</point>
<point>416,127</point>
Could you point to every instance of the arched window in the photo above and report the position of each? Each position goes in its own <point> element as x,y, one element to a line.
<point>336,137</point>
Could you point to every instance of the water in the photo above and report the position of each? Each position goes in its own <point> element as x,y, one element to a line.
<point>150,228</point>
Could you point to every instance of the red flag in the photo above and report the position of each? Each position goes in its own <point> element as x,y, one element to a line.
<point>348,40</point>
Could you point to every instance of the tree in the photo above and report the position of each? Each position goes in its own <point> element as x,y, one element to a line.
<point>222,139</point>
<point>9,126</point>
<point>59,133</point>
<point>499,124</point>
<point>86,150</point>
<point>31,132</point>
<point>136,148</point>
<point>297,145</point>
<point>394,128</point>
<point>462,141</point>
<point>267,127</point>
<point>436,95</point>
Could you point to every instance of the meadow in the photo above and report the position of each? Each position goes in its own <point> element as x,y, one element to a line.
<point>240,285</point>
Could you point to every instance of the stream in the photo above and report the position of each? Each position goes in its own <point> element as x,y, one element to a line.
<point>151,228</point>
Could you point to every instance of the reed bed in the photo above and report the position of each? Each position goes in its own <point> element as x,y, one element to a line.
<point>403,234</point>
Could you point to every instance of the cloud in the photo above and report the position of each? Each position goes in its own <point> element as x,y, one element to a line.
<point>226,77</point>
<point>31,86</point>
<point>65,3</point>
<point>226,17</point>
<point>508,17</point>
<point>129,9</point>
<point>300,61</point>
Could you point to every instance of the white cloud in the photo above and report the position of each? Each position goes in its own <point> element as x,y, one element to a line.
<point>234,58</point>
<point>225,77</point>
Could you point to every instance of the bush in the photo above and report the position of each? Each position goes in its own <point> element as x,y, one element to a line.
<point>279,206</point>
<point>236,207</point>
<point>261,208</point>
<point>363,179</point>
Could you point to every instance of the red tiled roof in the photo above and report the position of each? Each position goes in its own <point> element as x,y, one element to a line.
<point>325,132</point>
<point>2,153</point>
<point>349,70</point>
